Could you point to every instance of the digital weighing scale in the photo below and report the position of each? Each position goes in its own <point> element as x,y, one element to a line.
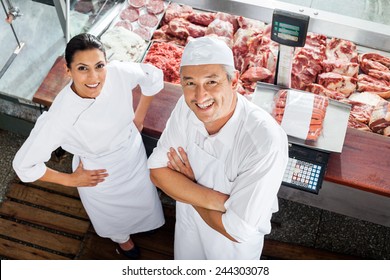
<point>289,30</point>
<point>307,159</point>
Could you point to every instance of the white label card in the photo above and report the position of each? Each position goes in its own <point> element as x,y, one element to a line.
<point>297,113</point>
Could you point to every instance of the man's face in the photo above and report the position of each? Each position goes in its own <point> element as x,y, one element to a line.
<point>209,94</point>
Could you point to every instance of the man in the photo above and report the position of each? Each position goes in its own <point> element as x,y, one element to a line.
<point>221,158</point>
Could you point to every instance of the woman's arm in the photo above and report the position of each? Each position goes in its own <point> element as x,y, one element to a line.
<point>141,111</point>
<point>79,178</point>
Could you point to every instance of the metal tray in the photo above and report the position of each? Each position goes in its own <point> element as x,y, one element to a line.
<point>142,11</point>
<point>335,122</point>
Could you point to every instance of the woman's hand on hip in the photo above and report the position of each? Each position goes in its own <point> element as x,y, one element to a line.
<point>87,178</point>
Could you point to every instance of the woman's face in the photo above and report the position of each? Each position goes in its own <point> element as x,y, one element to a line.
<point>88,72</point>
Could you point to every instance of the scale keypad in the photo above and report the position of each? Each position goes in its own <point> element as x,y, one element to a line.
<point>302,174</point>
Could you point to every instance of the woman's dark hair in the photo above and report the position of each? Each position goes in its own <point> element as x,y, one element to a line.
<point>82,42</point>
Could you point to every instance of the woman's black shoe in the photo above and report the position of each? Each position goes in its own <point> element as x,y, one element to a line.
<point>131,254</point>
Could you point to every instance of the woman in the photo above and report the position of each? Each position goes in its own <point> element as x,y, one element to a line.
<point>93,118</point>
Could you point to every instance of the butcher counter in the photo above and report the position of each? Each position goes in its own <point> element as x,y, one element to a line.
<point>357,181</point>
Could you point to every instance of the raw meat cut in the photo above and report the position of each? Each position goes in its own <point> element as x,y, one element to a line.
<point>175,10</point>
<point>161,34</point>
<point>360,111</point>
<point>182,28</point>
<point>320,105</point>
<point>247,23</point>
<point>321,90</point>
<point>137,3</point>
<point>167,57</point>
<point>155,6</point>
<point>352,122</point>
<point>380,118</point>
<point>254,74</point>
<point>124,23</point>
<point>339,49</point>
<point>372,84</point>
<point>221,28</point>
<point>307,61</point>
<point>148,20</point>
<point>199,18</point>
<point>143,32</point>
<point>380,75</point>
<point>366,65</point>
<point>229,18</point>
<point>129,14</point>
<point>333,81</point>
<point>350,69</point>
<point>366,98</point>
<point>377,58</point>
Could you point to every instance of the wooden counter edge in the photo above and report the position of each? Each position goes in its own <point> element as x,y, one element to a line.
<point>358,166</point>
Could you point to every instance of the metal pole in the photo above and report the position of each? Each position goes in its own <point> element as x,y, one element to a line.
<point>67,16</point>
<point>12,27</point>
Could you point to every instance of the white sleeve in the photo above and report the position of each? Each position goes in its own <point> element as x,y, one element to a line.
<point>173,136</point>
<point>149,77</point>
<point>152,80</point>
<point>29,161</point>
<point>254,196</point>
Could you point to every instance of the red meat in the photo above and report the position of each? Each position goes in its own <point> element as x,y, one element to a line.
<point>129,14</point>
<point>167,57</point>
<point>148,20</point>
<point>155,6</point>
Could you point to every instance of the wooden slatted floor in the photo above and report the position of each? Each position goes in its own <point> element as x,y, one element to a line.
<point>42,221</point>
<point>48,221</point>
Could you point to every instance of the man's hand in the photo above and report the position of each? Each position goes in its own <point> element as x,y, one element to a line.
<point>83,178</point>
<point>181,165</point>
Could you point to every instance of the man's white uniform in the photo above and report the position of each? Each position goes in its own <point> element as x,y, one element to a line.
<point>246,159</point>
<point>100,132</point>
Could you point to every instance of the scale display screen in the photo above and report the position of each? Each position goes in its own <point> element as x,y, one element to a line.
<point>289,28</point>
<point>287,31</point>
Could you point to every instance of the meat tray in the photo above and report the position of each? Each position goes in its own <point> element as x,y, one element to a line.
<point>135,25</point>
<point>335,122</point>
<point>169,61</point>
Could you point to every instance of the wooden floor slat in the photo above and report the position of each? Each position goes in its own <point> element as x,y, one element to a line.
<point>57,188</point>
<point>98,248</point>
<point>17,251</point>
<point>53,201</point>
<point>161,241</point>
<point>45,208</point>
<point>44,218</point>
<point>39,237</point>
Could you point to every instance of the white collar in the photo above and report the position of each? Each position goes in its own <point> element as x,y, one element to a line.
<point>227,133</point>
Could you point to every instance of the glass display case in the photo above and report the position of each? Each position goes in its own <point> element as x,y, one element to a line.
<point>93,16</point>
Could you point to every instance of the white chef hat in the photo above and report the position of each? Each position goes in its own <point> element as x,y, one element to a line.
<point>207,50</point>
